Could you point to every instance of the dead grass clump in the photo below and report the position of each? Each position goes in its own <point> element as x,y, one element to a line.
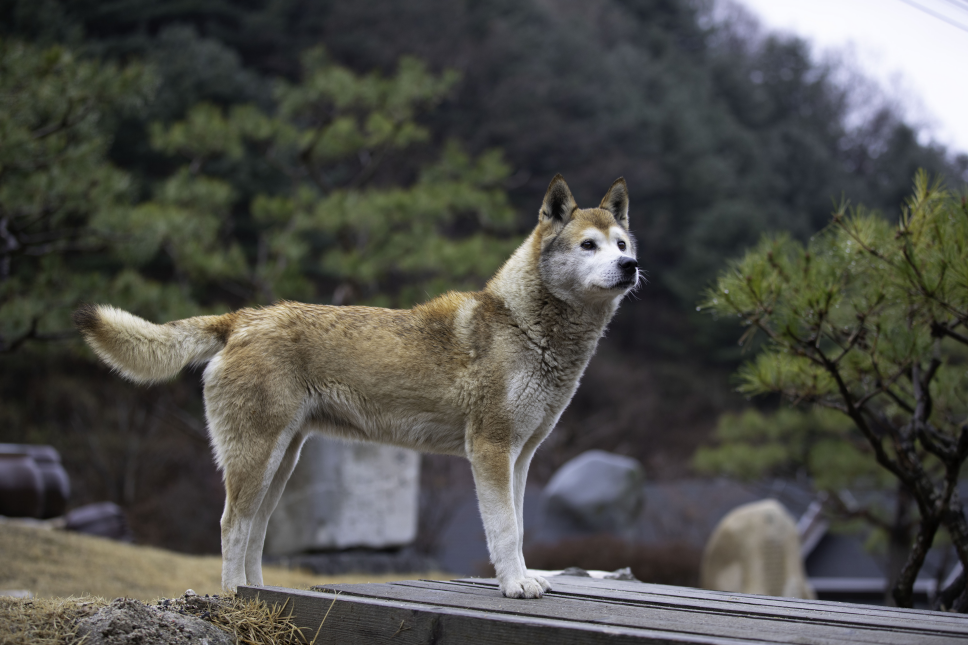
<point>53,621</point>
<point>249,621</point>
<point>44,621</point>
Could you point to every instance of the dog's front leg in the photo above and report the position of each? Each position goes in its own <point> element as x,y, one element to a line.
<point>494,478</point>
<point>521,465</point>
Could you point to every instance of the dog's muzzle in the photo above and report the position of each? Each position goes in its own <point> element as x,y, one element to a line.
<point>629,268</point>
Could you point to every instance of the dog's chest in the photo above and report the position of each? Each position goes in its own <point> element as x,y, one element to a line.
<point>541,383</point>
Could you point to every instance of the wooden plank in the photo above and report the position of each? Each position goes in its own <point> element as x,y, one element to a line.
<point>920,622</point>
<point>671,619</point>
<point>922,625</point>
<point>744,599</point>
<point>796,621</point>
<point>356,620</point>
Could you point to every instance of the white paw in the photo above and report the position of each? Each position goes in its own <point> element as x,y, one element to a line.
<point>525,587</point>
<point>231,585</point>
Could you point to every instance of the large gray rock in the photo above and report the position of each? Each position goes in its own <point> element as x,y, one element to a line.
<point>344,495</point>
<point>131,622</point>
<point>595,492</point>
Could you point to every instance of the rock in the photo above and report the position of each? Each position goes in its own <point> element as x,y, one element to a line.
<point>16,593</point>
<point>21,483</point>
<point>595,492</point>
<point>336,563</point>
<point>131,622</point>
<point>756,549</point>
<point>624,574</point>
<point>347,495</point>
<point>57,485</point>
<point>104,519</point>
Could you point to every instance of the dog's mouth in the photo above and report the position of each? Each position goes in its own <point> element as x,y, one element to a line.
<point>627,282</point>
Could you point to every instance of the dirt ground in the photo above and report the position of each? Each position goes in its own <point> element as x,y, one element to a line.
<point>52,563</point>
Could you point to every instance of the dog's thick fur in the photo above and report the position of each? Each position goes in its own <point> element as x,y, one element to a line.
<point>483,375</point>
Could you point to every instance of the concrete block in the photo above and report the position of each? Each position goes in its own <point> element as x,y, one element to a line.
<point>347,495</point>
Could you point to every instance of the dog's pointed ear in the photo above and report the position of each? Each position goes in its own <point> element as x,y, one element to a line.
<point>616,202</point>
<point>558,205</point>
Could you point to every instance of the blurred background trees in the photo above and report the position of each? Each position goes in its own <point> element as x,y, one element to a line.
<point>57,182</point>
<point>239,163</point>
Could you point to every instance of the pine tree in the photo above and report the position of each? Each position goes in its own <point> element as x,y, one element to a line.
<point>869,320</point>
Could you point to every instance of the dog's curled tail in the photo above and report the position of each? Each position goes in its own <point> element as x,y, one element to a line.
<point>145,352</point>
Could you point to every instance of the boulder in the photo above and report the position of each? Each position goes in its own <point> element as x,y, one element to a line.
<point>347,495</point>
<point>131,622</point>
<point>104,519</point>
<point>596,492</point>
<point>756,549</point>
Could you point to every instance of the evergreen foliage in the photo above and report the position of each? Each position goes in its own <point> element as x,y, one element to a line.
<point>869,320</point>
<point>817,445</point>
<point>73,229</point>
<point>57,184</point>
<point>722,132</point>
<point>325,140</point>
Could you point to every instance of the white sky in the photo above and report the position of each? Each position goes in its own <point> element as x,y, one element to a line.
<point>917,58</point>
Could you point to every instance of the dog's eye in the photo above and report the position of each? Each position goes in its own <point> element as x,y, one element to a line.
<point>621,245</point>
<point>588,245</point>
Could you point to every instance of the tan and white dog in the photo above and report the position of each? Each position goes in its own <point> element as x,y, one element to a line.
<point>483,375</point>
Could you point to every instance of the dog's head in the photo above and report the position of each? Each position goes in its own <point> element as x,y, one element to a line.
<point>587,255</point>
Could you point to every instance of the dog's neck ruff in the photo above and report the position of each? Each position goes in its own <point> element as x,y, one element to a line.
<point>561,331</point>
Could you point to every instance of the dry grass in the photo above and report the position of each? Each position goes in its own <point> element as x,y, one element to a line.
<point>51,563</point>
<point>48,621</point>
<point>71,574</point>
<point>43,621</point>
<point>249,621</point>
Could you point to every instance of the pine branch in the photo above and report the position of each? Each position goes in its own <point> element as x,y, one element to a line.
<point>7,347</point>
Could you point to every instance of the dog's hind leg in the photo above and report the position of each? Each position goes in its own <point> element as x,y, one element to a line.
<point>492,467</point>
<point>244,492</point>
<point>250,455</point>
<point>257,534</point>
<point>236,523</point>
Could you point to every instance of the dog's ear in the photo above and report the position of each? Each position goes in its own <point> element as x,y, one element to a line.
<point>558,205</point>
<point>616,202</point>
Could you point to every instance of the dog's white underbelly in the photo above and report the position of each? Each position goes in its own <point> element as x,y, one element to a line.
<point>408,426</point>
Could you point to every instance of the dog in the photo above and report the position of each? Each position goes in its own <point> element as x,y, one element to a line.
<point>483,375</point>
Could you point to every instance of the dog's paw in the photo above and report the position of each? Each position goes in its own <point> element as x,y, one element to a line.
<point>525,587</point>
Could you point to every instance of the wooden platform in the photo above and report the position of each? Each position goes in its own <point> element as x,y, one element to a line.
<point>588,611</point>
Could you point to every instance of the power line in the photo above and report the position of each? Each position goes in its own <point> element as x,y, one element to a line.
<point>935,14</point>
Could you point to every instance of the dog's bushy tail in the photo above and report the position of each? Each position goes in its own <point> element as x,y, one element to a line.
<point>145,352</point>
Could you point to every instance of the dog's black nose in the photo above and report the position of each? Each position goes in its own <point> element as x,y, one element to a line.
<point>628,265</point>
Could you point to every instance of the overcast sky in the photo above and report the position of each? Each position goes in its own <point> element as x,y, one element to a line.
<point>917,57</point>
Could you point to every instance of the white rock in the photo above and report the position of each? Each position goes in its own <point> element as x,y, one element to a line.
<point>756,549</point>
